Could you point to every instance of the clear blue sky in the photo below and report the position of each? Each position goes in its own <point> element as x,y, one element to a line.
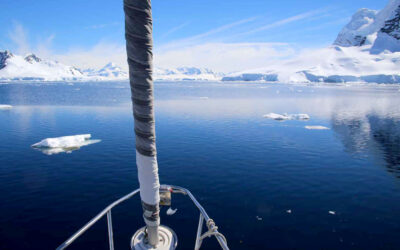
<point>65,24</point>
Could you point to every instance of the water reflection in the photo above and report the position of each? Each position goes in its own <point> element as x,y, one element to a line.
<point>386,133</point>
<point>375,134</point>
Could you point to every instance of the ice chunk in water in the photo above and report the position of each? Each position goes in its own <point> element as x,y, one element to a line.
<point>2,106</point>
<point>63,144</point>
<point>317,127</point>
<point>299,117</point>
<point>277,117</point>
<point>171,211</point>
<point>284,117</point>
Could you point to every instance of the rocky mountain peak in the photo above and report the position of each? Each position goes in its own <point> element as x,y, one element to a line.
<point>392,26</point>
<point>3,58</point>
<point>380,29</point>
<point>356,31</point>
<point>32,58</point>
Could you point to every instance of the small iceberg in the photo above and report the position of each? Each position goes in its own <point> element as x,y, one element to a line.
<point>64,144</point>
<point>317,127</point>
<point>285,117</point>
<point>3,107</point>
<point>171,211</point>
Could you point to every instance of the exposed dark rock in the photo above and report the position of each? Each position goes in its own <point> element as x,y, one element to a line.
<point>392,26</point>
<point>3,58</point>
<point>32,58</point>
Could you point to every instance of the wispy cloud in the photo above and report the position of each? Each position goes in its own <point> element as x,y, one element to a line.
<point>22,44</point>
<point>225,57</point>
<point>19,37</point>
<point>175,29</point>
<point>44,46</point>
<point>200,37</point>
<point>285,21</point>
<point>94,57</point>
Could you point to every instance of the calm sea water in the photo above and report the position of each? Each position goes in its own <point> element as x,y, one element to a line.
<point>267,184</point>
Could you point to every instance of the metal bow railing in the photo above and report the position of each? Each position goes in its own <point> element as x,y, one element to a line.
<point>212,228</point>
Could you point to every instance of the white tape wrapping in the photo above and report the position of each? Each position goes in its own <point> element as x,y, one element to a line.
<point>148,178</point>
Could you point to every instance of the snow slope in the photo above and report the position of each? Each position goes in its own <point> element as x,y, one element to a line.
<point>109,72</point>
<point>360,31</point>
<point>15,67</point>
<point>333,64</point>
<point>370,26</point>
<point>186,73</point>
<point>388,37</point>
<point>32,68</point>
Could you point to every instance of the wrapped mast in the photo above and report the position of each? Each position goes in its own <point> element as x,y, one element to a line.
<point>139,46</point>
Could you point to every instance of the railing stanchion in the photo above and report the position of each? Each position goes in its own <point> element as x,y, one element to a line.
<point>110,230</point>
<point>199,231</point>
<point>203,217</point>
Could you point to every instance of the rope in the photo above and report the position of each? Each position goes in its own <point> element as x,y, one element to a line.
<point>212,231</point>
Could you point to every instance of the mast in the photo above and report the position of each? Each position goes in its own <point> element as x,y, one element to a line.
<point>139,46</point>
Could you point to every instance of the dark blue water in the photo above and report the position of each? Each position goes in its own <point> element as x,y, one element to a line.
<point>246,170</point>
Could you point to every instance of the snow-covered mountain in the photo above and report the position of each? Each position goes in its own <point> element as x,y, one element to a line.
<point>366,50</point>
<point>388,37</point>
<point>360,31</point>
<point>109,72</point>
<point>31,67</point>
<point>370,27</point>
<point>186,73</point>
<point>333,64</point>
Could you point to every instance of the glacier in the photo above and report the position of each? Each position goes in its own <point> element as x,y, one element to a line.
<point>334,64</point>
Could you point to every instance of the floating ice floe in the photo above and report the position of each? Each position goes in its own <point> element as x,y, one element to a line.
<point>171,211</point>
<point>285,117</point>
<point>64,144</point>
<point>2,106</point>
<point>317,127</point>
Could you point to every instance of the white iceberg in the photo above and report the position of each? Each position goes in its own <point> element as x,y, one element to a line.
<point>63,144</point>
<point>5,106</point>
<point>300,117</point>
<point>317,127</point>
<point>284,117</point>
